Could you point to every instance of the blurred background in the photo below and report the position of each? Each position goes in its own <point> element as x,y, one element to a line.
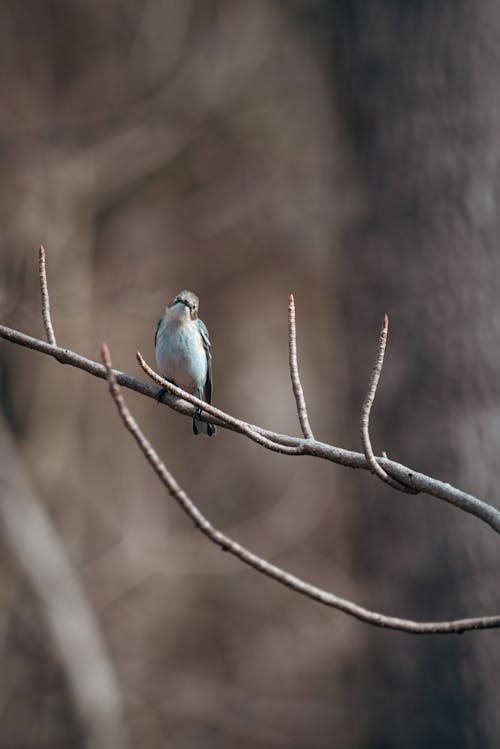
<point>348,152</point>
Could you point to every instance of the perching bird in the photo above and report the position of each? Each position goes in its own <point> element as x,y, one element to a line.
<point>182,349</point>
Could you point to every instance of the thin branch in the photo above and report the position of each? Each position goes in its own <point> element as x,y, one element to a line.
<point>237,425</point>
<point>44,291</point>
<point>294,372</point>
<point>365,415</point>
<point>266,568</point>
<point>314,448</point>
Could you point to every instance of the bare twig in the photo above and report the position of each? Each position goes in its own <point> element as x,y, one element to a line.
<point>419,481</point>
<point>239,426</point>
<point>294,372</point>
<point>365,416</point>
<point>270,570</point>
<point>44,291</point>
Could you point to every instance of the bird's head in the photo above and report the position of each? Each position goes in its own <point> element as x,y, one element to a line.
<point>184,306</point>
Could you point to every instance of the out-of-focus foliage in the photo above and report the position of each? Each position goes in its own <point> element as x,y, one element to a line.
<point>245,150</point>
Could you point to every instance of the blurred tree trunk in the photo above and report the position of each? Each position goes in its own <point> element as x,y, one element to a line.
<point>417,88</point>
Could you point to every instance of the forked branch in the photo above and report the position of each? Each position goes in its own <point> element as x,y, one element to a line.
<point>395,474</point>
<point>485,512</point>
<point>253,560</point>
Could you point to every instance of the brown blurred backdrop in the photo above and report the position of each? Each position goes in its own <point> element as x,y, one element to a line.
<point>345,151</point>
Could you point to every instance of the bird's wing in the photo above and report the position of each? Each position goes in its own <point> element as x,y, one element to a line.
<point>157,329</point>
<point>207,346</point>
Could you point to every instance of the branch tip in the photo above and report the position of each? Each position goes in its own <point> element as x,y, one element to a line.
<point>294,372</point>
<point>374,466</point>
<point>105,355</point>
<point>44,293</point>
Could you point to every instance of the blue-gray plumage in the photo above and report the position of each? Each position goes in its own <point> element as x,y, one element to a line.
<point>182,348</point>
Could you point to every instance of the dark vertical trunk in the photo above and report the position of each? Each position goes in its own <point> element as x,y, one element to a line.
<point>418,91</point>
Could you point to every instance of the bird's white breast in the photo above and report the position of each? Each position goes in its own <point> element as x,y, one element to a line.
<point>180,354</point>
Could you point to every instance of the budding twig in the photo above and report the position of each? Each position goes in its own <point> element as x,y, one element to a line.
<point>44,291</point>
<point>294,372</point>
<point>365,416</point>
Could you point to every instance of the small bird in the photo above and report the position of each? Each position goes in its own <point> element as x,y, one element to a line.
<point>183,356</point>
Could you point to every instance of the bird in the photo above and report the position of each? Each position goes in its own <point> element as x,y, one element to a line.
<point>183,352</point>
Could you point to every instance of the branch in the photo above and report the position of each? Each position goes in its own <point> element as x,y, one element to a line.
<point>365,415</point>
<point>44,291</point>
<point>419,481</point>
<point>294,372</point>
<point>277,443</point>
<point>230,421</point>
<point>266,568</point>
